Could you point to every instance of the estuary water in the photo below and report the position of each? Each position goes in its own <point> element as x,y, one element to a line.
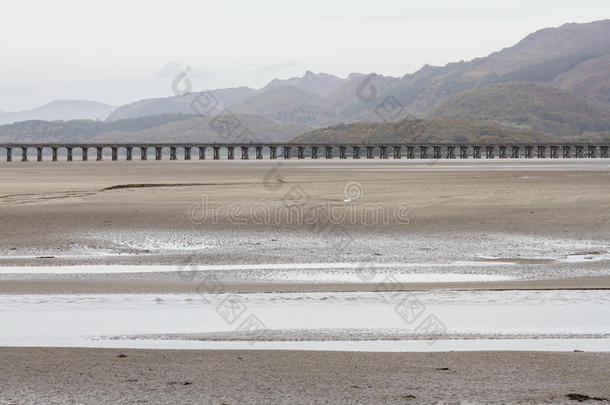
<point>360,321</point>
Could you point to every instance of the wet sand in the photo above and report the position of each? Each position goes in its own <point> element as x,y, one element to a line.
<point>150,213</point>
<point>536,213</point>
<point>55,204</point>
<point>58,375</point>
<point>122,286</point>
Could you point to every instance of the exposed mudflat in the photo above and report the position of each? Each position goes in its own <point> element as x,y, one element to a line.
<point>112,376</point>
<point>123,253</point>
<point>522,221</point>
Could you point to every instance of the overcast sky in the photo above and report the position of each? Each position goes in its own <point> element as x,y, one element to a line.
<point>120,51</point>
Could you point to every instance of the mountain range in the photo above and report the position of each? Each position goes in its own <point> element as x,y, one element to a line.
<point>60,110</point>
<point>556,81</point>
<point>158,128</point>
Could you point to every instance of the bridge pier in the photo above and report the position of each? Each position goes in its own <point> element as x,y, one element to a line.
<point>591,151</point>
<point>273,152</point>
<point>172,153</point>
<point>528,152</point>
<point>100,153</point>
<point>259,152</point>
<point>450,152</point>
<point>355,152</point>
<point>24,154</point>
<point>230,152</point>
<point>603,152</point>
<point>369,152</point>
<point>489,152</point>
<point>201,152</point>
<point>515,153</point>
<point>554,154</point>
<point>69,153</point>
<point>38,154</point>
<point>143,153</point>
<point>300,152</point>
<point>129,152</point>
<point>54,153</point>
<point>187,153</point>
<point>286,150</point>
<point>329,152</point>
<point>158,153</point>
<point>244,153</point>
<point>9,154</point>
<point>397,152</point>
<point>502,153</point>
<point>85,153</point>
<point>115,153</point>
<point>314,152</point>
<point>463,152</point>
<point>410,152</point>
<point>437,152</point>
<point>216,153</point>
<point>541,151</point>
<point>476,152</point>
<point>423,152</point>
<point>579,152</point>
<point>342,152</point>
<point>383,152</point>
<point>566,151</point>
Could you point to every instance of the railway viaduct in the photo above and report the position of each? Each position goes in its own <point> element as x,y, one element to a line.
<point>309,150</point>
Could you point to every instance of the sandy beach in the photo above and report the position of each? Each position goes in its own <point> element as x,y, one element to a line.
<point>165,227</point>
<point>535,215</point>
<point>37,375</point>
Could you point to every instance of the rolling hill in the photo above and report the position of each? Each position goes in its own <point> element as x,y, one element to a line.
<point>424,130</point>
<point>528,106</point>
<point>285,103</point>
<point>159,128</point>
<point>590,80</point>
<point>206,129</point>
<point>79,130</point>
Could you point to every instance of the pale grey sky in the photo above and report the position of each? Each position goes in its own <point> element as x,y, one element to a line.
<point>119,51</point>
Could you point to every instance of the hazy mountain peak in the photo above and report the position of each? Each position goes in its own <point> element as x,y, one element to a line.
<point>182,104</point>
<point>321,83</point>
<point>60,110</point>
<point>588,39</point>
<point>355,76</point>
